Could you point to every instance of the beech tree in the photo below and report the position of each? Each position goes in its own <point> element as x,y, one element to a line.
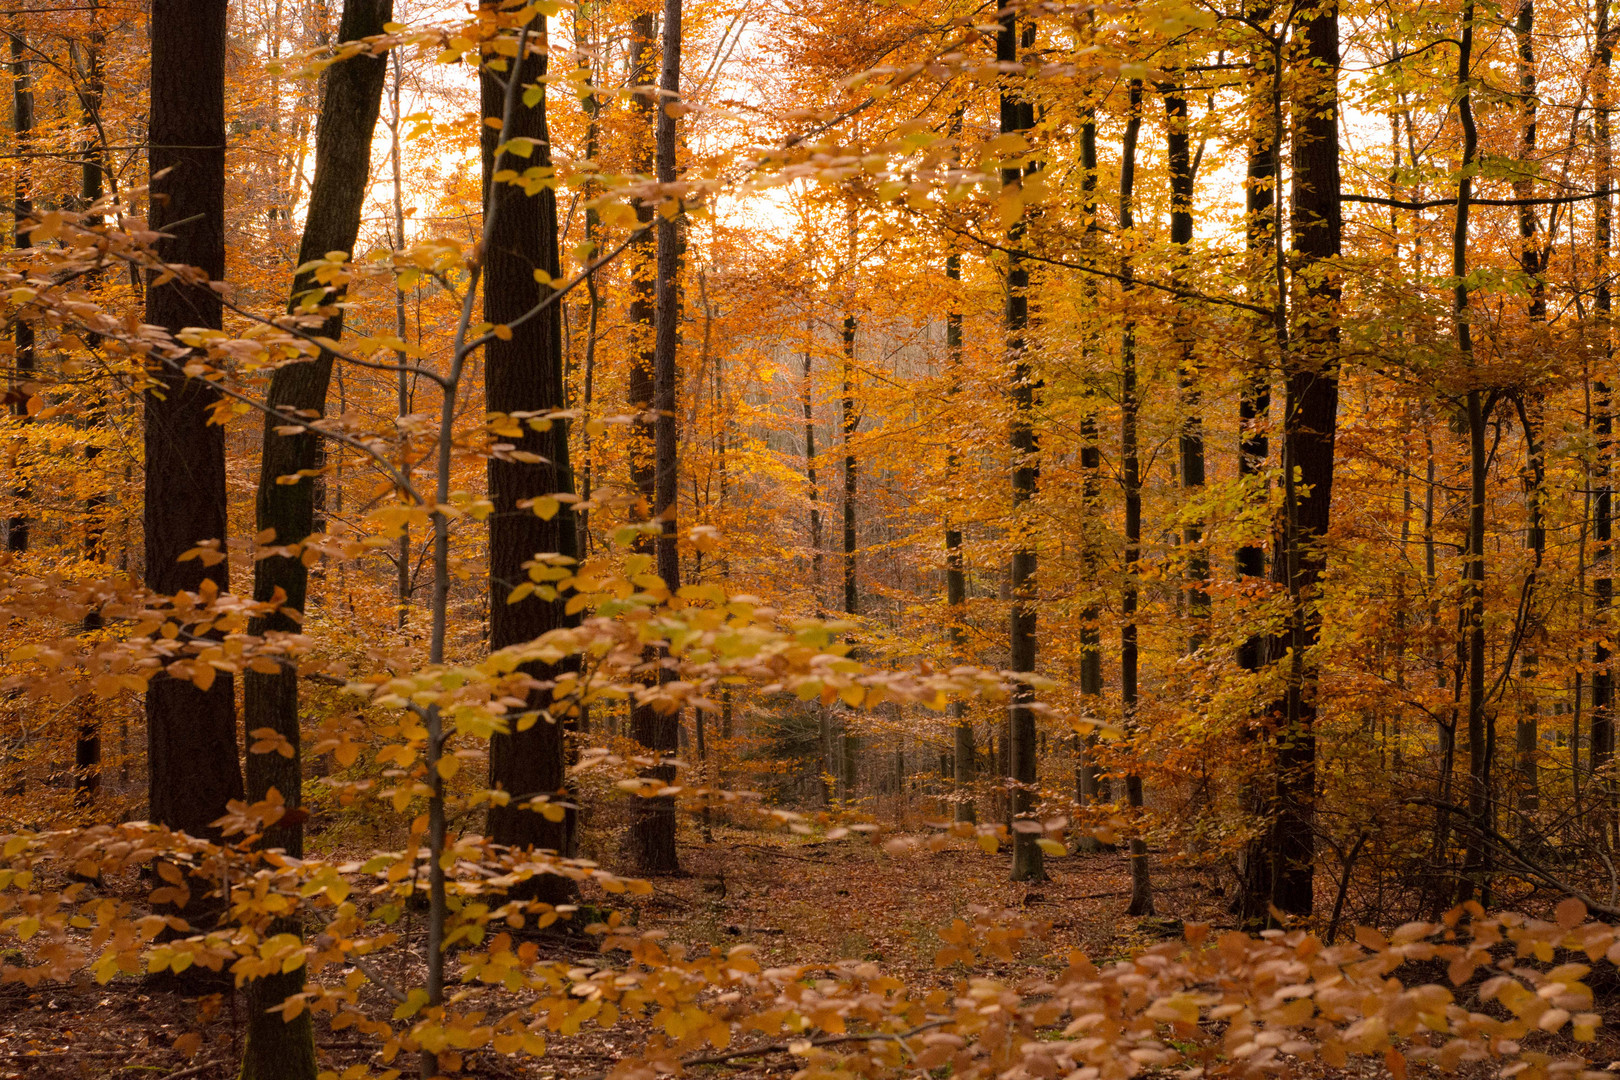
<point>192,764</point>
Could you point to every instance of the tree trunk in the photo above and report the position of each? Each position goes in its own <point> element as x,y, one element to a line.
<point>1532,261</point>
<point>193,769</point>
<point>850,756</point>
<point>1191,441</point>
<point>524,373</point>
<point>22,120</point>
<point>1018,115</point>
<point>277,1050</point>
<point>92,72</point>
<point>404,384</point>
<point>1090,785</point>
<point>1602,427</point>
<point>1131,475</point>
<point>652,832</point>
<point>1263,243</point>
<point>955,577</point>
<point>1310,421</point>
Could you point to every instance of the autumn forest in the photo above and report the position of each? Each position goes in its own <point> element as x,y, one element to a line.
<point>851,539</point>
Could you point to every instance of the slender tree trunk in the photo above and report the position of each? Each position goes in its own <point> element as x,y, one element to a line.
<point>193,770</point>
<point>278,1050</point>
<point>403,385</point>
<point>1254,404</point>
<point>955,576</point>
<point>1018,115</point>
<point>524,373</point>
<point>1191,442</point>
<point>850,752</point>
<point>1131,470</point>
<point>1310,423</point>
<point>1602,424</point>
<point>1263,244</point>
<point>812,486</point>
<point>817,560</point>
<point>22,121</point>
<point>87,746</point>
<point>652,832</point>
<point>1091,786</point>
<point>1479,405</point>
<point>591,102</point>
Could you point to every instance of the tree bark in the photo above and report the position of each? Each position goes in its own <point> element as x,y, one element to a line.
<point>1131,470</point>
<point>1090,785</point>
<point>278,1050</point>
<point>1602,751</point>
<point>955,577</point>
<point>524,374</point>
<point>193,770</point>
<point>1309,425</point>
<point>1018,115</point>
<point>92,70</point>
<point>22,122</point>
<point>1532,262</point>
<point>850,751</point>
<point>1190,444</point>
<point>652,832</point>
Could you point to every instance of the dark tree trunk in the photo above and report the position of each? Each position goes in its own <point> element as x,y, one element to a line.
<point>652,832</point>
<point>1090,785</point>
<point>812,486</point>
<point>1191,442</point>
<point>1131,476</point>
<point>277,1050</point>
<point>1309,424</point>
<point>352,101</point>
<point>92,72</point>
<point>1266,261</point>
<point>1532,261</point>
<point>524,373</point>
<point>1018,115</point>
<point>955,577</point>
<point>850,751</point>
<point>193,770</point>
<point>22,120</point>
<point>1479,405</point>
<point>1602,424</point>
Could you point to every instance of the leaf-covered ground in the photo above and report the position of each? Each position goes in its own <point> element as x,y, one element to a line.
<point>797,900</point>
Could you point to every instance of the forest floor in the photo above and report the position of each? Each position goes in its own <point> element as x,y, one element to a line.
<point>797,899</point>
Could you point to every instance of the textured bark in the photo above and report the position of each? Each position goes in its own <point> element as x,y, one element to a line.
<point>193,769</point>
<point>525,374</point>
<point>1190,444</point>
<point>849,750</point>
<point>1602,408</point>
<point>955,578</point>
<point>1533,257</point>
<point>1018,115</point>
<point>1309,425</point>
<point>22,122</point>
<point>92,73</point>
<point>276,1049</point>
<point>1131,476</point>
<point>652,830</point>
<point>1090,785</point>
<point>1268,270</point>
<point>353,98</point>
